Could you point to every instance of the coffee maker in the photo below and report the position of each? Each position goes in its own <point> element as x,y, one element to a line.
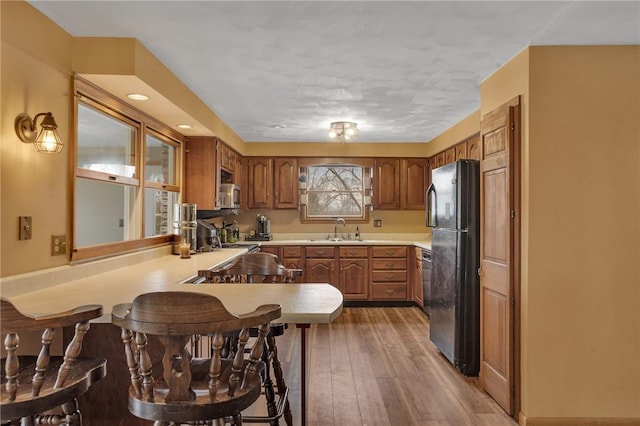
<point>264,225</point>
<point>263,232</point>
<point>206,236</point>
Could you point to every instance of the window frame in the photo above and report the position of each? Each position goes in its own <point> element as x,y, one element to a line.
<point>365,163</point>
<point>88,93</point>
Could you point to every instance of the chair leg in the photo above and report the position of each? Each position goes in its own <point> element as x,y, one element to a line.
<point>269,393</point>
<point>72,413</point>
<point>277,372</point>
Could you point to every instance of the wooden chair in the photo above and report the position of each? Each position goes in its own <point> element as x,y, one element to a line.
<point>184,388</point>
<point>263,268</point>
<point>36,388</point>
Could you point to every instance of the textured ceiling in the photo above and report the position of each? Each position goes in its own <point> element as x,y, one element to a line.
<point>405,71</point>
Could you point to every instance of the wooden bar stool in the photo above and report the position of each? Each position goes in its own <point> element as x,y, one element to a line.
<point>263,268</point>
<point>44,389</point>
<point>184,388</point>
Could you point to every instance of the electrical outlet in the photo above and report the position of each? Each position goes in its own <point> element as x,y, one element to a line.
<point>377,223</point>
<point>24,227</point>
<point>58,244</point>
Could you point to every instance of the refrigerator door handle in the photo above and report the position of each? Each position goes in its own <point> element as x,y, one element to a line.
<point>431,206</point>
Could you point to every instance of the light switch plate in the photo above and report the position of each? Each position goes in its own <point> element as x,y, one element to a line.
<point>58,244</point>
<point>24,227</point>
<point>377,223</point>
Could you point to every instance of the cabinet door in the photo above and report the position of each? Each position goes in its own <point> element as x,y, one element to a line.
<point>450,155</point>
<point>418,290</point>
<point>354,278</point>
<point>240,179</point>
<point>321,271</point>
<point>202,177</point>
<point>414,183</point>
<point>440,159</point>
<point>260,183</point>
<point>461,151</point>
<point>386,182</point>
<point>473,151</point>
<point>227,157</point>
<point>286,183</point>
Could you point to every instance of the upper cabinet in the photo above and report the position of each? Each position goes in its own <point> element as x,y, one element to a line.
<point>208,162</point>
<point>414,181</point>
<point>260,183</point>
<point>473,147</point>
<point>285,191</point>
<point>465,150</point>
<point>227,157</point>
<point>202,175</point>
<point>386,184</point>
<point>272,183</point>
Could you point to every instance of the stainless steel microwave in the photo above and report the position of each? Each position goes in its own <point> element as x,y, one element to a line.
<point>229,197</point>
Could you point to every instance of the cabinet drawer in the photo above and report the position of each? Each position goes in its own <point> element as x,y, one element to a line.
<point>389,264</point>
<point>353,251</point>
<point>389,251</point>
<point>270,249</point>
<point>319,252</point>
<point>292,251</point>
<point>389,291</point>
<point>390,276</point>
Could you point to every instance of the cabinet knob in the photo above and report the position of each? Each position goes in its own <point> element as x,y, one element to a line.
<point>390,252</point>
<point>389,291</point>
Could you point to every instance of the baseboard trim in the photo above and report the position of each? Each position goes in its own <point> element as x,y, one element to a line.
<point>578,421</point>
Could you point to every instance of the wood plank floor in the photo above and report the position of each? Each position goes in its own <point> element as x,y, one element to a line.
<point>376,366</point>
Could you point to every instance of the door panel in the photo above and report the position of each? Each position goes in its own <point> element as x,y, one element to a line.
<point>497,264</point>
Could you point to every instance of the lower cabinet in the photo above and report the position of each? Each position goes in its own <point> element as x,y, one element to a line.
<point>354,272</point>
<point>320,265</point>
<point>293,257</point>
<point>389,273</point>
<point>374,273</point>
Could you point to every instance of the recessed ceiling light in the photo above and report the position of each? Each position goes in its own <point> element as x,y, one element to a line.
<point>279,126</point>
<point>138,97</point>
<point>184,126</point>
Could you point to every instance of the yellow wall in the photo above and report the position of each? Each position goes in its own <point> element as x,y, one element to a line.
<point>580,227</point>
<point>466,127</point>
<point>36,65</point>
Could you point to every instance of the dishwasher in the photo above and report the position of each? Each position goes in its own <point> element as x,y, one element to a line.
<point>426,281</point>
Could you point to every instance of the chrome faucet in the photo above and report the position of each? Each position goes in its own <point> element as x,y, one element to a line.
<point>335,227</point>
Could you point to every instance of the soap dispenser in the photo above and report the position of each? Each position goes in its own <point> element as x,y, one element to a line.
<point>357,233</point>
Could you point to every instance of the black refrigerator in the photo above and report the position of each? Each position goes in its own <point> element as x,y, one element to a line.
<point>453,213</point>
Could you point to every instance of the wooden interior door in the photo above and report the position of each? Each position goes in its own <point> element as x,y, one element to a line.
<point>499,195</point>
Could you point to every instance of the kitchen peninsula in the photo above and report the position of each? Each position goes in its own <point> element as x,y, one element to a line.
<point>301,304</point>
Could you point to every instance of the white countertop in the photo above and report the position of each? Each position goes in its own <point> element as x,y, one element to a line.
<point>119,280</point>
<point>301,303</point>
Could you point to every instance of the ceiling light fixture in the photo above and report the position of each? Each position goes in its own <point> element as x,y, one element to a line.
<point>183,126</point>
<point>343,131</point>
<point>47,141</point>
<point>138,97</point>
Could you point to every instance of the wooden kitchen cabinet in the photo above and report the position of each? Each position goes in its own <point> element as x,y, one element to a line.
<point>461,151</point>
<point>414,182</point>
<point>285,183</point>
<point>386,184</point>
<point>389,273</point>
<point>202,175</point>
<point>320,265</point>
<point>293,257</point>
<point>450,155</point>
<point>439,160</point>
<point>416,278</point>
<point>226,156</point>
<point>354,272</point>
<point>272,183</point>
<point>260,183</point>
<point>473,147</point>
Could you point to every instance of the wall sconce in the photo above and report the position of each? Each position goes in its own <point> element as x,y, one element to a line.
<point>48,141</point>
